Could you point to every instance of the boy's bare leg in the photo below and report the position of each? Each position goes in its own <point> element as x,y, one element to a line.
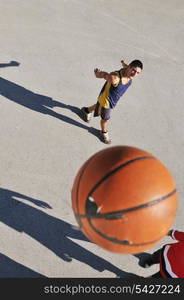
<point>91,108</point>
<point>104,131</point>
<point>103,124</point>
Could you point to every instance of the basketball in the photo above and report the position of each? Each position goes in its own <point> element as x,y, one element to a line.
<point>124,199</point>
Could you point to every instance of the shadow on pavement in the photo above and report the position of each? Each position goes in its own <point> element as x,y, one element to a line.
<point>53,233</point>
<point>11,269</point>
<point>41,104</point>
<point>10,64</point>
<point>142,258</point>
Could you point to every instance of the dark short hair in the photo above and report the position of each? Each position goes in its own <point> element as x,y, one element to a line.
<point>136,63</point>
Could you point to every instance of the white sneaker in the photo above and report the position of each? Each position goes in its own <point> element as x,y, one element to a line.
<point>86,116</point>
<point>105,136</point>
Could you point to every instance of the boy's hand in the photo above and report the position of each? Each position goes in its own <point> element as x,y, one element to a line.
<point>99,73</point>
<point>124,64</point>
<point>170,232</point>
<point>96,71</point>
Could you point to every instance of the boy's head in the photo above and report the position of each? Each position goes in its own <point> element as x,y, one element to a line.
<point>134,68</point>
<point>136,63</point>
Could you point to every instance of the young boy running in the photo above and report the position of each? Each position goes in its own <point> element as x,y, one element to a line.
<point>116,84</point>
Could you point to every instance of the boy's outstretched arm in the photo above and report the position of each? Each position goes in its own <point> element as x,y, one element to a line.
<point>111,77</point>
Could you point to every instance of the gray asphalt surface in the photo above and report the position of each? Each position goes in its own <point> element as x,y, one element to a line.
<point>49,50</point>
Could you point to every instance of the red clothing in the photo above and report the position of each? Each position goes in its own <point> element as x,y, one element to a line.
<point>172,258</point>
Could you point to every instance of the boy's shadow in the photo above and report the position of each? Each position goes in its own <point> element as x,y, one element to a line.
<point>41,104</point>
<point>10,268</point>
<point>53,233</point>
<point>10,64</point>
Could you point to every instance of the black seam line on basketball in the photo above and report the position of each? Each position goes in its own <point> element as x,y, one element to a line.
<point>82,172</point>
<point>116,170</point>
<point>122,242</point>
<point>119,214</point>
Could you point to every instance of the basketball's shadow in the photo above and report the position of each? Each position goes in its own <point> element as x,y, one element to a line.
<point>53,233</point>
<point>41,104</point>
<point>11,269</point>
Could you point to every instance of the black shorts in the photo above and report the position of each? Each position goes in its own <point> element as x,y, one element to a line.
<point>101,111</point>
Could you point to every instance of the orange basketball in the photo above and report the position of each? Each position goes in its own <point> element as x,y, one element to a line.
<point>124,199</point>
